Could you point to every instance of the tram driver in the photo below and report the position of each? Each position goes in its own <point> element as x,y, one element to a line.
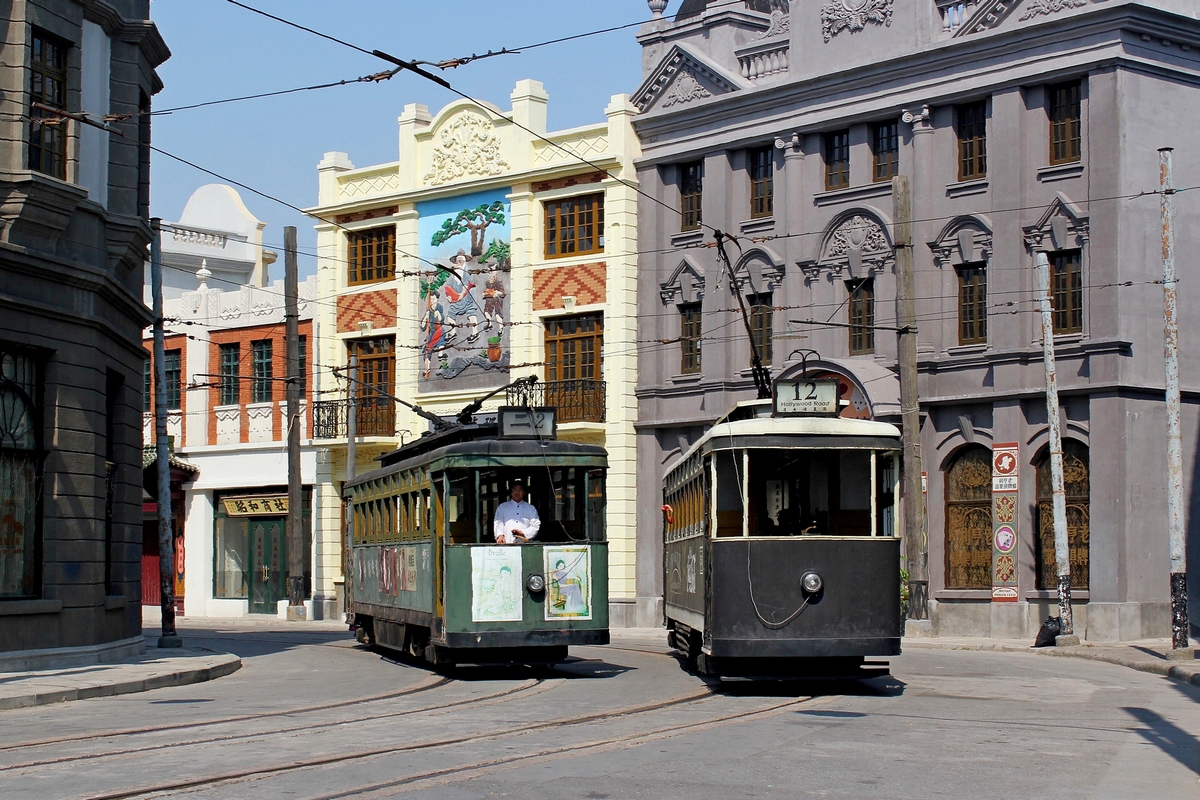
<point>516,520</point>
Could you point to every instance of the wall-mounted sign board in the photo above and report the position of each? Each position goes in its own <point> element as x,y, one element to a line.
<point>802,397</point>
<point>261,505</point>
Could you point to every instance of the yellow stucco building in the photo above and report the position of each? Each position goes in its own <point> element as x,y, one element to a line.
<point>491,250</point>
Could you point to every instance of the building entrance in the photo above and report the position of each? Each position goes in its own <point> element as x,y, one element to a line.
<point>268,565</point>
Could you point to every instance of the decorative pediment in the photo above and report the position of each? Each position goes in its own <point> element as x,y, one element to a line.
<point>466,145</point>
<point>1062,226</point>
<point>758,271</point>
<point>686,284</point>
<point>964,240</point>
<point>856,244</point>
<point>683,77</point>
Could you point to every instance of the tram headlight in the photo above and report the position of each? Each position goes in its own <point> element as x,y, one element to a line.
<point>811,582</point>
<point>536,583</point>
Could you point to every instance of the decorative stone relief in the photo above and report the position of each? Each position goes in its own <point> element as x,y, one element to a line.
<point>679,62</point>
<point>1063,225</point>
<point>686,285</point>
<point>857,233</point>
<point>856,244</point>
<point>963,241</point>
<point>261,417</point>
<point>781,23</point>
<point>759,271</point>
<point>1044,7</point>
<point>685,89</point>
<point>853,15</point>
<point>466,146</point>
<point>229,424</point>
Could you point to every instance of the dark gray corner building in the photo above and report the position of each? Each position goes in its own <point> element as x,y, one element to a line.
<point>74,203</point>
<point>1024,126</point>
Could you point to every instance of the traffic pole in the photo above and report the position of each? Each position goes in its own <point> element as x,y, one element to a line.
<point>162,455</point>
<point>1178,547</point>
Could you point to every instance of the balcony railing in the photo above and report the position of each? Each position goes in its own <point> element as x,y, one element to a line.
<point>575,400</point>
<point>374,417</point>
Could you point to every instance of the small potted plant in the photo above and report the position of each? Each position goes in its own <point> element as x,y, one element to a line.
<point>494,350</point>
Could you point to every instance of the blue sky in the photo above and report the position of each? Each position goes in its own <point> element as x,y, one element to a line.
<point>274,144</point>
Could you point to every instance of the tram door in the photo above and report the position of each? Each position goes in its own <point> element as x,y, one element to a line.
<point>268,565</point>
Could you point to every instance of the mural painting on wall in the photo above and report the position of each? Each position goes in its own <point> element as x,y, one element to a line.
<point>465,246</point>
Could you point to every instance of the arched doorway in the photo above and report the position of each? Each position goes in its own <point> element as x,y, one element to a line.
<point>1076,482</point>
<point>969,519</point>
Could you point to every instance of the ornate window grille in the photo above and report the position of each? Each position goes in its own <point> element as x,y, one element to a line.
<point>969,520</point>
<point>1076,481</point>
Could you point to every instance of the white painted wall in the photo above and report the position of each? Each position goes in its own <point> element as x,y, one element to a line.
<point>96,66</point>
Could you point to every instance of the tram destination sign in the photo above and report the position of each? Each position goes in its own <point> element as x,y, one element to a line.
<point>527,423</point>
<point>806,398</point>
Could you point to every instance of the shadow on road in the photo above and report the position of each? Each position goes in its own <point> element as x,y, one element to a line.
<point>248,642</point>
<point>887,686</point>
<point>1168,737</point>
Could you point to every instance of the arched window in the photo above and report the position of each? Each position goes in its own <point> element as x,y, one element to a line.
<point>1077,485</point>
<point>19,466</point>
<point>969,520</point>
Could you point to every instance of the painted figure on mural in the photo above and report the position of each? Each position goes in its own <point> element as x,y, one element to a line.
<point>493,298</point>
<point>463,304</point>
<point>433,326</point>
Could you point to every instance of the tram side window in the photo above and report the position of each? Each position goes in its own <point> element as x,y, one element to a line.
<point>461,510</point>
<point>729,493</point>
<point>595,506</point>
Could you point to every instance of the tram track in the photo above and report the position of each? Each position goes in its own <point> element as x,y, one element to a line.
<point>233,776</point>
<point>511,693</point>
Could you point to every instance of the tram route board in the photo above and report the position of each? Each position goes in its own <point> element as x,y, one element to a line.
<point>806,398</point>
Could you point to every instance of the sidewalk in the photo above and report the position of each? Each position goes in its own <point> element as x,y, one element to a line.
<point>1147,655</point>
<point>154,669</point>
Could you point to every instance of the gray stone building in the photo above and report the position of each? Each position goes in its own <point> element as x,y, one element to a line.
<point>74,205</point>
<point>1024,126</point>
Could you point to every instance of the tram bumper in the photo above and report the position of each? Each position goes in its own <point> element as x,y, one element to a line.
<point>760,608</point>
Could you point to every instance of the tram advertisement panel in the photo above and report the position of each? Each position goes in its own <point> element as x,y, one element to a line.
<point>394,576</point>
<point>569,570</point>
<point>496,584</point>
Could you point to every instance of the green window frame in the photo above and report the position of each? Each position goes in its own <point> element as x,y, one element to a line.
<point>229,382</point>
<point>261,357</point>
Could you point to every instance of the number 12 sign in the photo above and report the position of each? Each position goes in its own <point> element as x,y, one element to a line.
<point>806,397</point>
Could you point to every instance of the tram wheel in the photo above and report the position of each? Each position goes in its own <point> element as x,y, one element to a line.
<point>364,632</point>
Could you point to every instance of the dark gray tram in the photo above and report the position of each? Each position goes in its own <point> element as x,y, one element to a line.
<point>780,551</point>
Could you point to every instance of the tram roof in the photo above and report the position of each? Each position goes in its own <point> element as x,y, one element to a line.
<point>799,432</point>
<point>490,451</point>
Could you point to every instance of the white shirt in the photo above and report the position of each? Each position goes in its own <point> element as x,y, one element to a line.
<point>521,516</point>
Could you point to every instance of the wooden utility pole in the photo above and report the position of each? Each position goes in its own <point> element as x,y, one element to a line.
<point>910,406</point>
<point>1178,546</point>
<point>162,455</point>
<point>1062,548</point>
<point>352,421</point>
<point>295,518</point>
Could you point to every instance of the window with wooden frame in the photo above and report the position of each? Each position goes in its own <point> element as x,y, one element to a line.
<point>691,193</point>
<point>575,226</point>
<point>48,87</point>
<point>377,376</point>
<point>1066,141</point>
<point>230,383</point>
<point>173,366</point>
<point>1066,291</point>
<point>762,320</point>
<point>371,255</point>
<point>972,303</point>
<point>689,337</point>
<point>260,386</point>
<point>302,362</point>
<point>885,143</point>
<point>972,141</point>
<point>837,160</point>
<point>861,316</point>
<point>573,347</point>
<point>21,460</point>
<point>762,182</point>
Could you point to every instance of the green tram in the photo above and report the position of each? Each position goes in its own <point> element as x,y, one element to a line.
<point>426,576</point>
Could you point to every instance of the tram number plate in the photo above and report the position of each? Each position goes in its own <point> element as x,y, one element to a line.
<point>801,397</point>
<point>527,423</point>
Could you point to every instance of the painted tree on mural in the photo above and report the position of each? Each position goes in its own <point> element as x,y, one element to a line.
<point>500,252</point>
<point>476,220</point>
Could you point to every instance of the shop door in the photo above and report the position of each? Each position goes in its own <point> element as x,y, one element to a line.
<point>268,565</point>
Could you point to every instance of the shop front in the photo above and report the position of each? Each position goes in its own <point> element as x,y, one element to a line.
<point>250,548</point>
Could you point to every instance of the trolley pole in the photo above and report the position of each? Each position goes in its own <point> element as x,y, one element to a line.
<point>910,404</point>
<point>1179,609</point>
<point>295,519</point>
<point>1062,550</point>
<point>166,542</point>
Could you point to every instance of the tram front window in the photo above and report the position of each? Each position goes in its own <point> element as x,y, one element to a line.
<point>803,493</point>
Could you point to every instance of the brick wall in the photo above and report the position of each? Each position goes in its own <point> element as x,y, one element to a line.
<point>585,281</point>
<point>378,308</point>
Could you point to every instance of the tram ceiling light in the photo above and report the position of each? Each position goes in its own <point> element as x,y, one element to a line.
<point>536,583</point>
<point>811,582</point>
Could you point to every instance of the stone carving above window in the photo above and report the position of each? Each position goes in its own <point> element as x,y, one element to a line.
<point>759,271</point>
<point>685,89</point>
<point>1046,7</point>
<point>686,284</point>
<point>466,146</point>
<point>853,15</point>
<point>856,245</point>
<point>1062,226</point>
<point>964,240</point>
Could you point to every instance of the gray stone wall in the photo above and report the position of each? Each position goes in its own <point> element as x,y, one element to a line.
<point>71,271</point>
<point>1138,66</point>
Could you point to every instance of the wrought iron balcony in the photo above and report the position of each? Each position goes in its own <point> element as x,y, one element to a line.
<point>575,400</point>
<point>374,417</point>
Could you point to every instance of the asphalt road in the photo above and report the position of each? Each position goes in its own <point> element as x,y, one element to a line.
<point>313,715</point>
